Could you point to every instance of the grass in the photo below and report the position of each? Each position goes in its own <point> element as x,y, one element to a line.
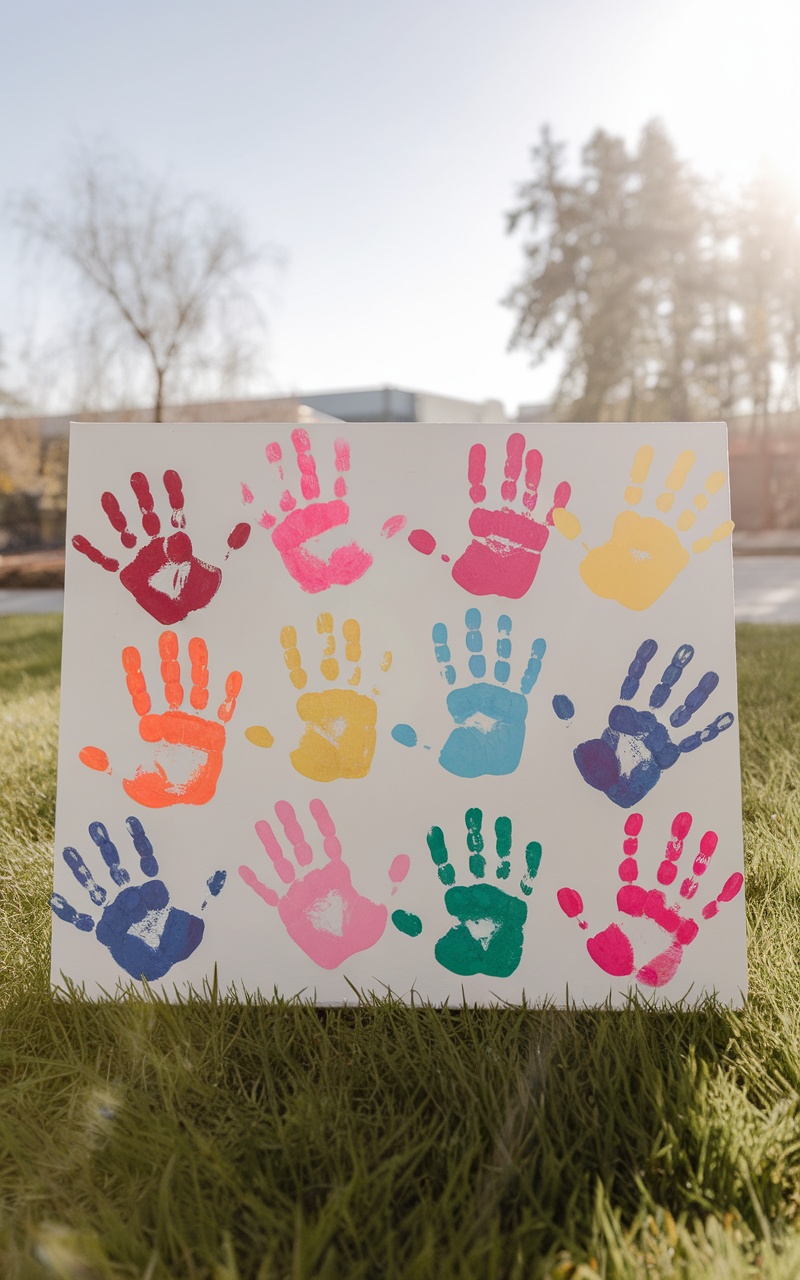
<point>234,1141</point>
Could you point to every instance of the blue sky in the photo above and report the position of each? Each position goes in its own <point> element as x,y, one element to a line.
<point>379,143</point>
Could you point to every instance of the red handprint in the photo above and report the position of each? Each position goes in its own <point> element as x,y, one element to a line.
<point>165,576</point>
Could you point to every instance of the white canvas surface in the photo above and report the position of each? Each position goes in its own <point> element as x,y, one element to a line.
<point>420,472</point>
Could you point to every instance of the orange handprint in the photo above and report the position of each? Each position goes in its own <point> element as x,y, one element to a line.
<point>174,729</point>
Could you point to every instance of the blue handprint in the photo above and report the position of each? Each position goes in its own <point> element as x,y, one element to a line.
<point>145,935</point>
<point>489,718</point>
<point>629,757</point>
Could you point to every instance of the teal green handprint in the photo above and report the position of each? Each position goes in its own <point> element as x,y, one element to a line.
<point>489,935</point>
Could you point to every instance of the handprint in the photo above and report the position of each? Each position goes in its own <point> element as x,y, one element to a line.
<point>629,757</point>
<point>145,935</point>
<point>301,525</point>
<point>507,545</point>
<point>321,910</point>
<point>644,554</point>
<point>165,576</point>
<point>175,733</point>
<point>489,935</point>
<point>489,717</point>
<point>339,740</point>
<point>613,949</point>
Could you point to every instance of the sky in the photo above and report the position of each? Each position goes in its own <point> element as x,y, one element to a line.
<point>380,144</point>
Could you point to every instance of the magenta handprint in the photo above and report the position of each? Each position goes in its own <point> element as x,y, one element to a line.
<point>165,576</point>
<point>301,524</point>
<point>507,543</point>
<point>614,948</point>
<point>320,910</point>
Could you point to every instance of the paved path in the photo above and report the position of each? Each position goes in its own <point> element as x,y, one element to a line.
<point>767,590</point>
<point>31,601</point>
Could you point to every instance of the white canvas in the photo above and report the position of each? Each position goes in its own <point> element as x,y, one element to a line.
<point>612,883</point>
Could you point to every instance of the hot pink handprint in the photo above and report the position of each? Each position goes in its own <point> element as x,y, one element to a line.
<point>612,949</point>
<point>321,910</point>
<point>507,544</point>
<point>301,525</point>
<point>165,576</point>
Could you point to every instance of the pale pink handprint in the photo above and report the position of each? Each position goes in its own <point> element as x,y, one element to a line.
<point>302,524</point>
<point>613,949</point>
<point>507,544</point>
<point>322,912</point>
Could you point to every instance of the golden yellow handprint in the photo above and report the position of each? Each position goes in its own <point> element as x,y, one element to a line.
<point>644,554</point>
<point>339,740</point>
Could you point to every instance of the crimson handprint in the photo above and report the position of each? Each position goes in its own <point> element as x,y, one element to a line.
<point>507,545</point>
<point>165,576</point>
<point>613,950</point>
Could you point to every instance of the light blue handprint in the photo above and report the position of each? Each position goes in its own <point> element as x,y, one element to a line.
<point>489,717</point>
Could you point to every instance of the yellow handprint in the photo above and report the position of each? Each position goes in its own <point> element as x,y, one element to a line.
<point>339,740</point>
<point>644,554</point>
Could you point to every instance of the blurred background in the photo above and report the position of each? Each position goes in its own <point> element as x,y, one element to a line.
<point>400,211</point>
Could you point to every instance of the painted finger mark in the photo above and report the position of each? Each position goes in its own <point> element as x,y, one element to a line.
<point>563,706</point>
<point>86,548</point>
<point>134,679</point>
<point>330,842</point>
<point>141,488</point>
<point>94,758</point>
<point>567,524</point>
<point>502,831</point>
<point>561,497</point>
<point>533,475</point>
<point>233,687</point>
<point>721,532</point>
<point>84,876</point>
<point>198,656</point>
<point>708,734</point>
<point>291,656</point>
<point>564,709</point>
<point>676,479</point>
<point>174,488</point>
<point>238,537</point>
<point>386,661</point>
<point>672,674</point>
<point>274,852</point>
<point>341,451</point>
<point>267,520</point>
<point>170,669</point>
<point>395,524</point>
<point>247,493</point>
<point>264,892</point>
<point>275,456</point>
<point>109,853</point>
<point>533,859</point>
<point>729,891</point>
<point>259,735</point>
<point>694,700</point>
<point>571,903</point>
<point>441,650</point>
<point>515,447</point>
<point>639,471</point>
<point>117,520</point>
<point>309,480</point>
<point>294,832</point>
<point>401,865</point>
<point>502,668</point>
<point>476,474</point>
<point>422,541</point>
<point>474,822</point>
<point>644,654</point>
<point>474,643</point>
<point>65,912</point>
<point>147,858</point>
<point>667,870</point>
<point>352,635</point>
<point>287,501</point>
<point>440,856</point>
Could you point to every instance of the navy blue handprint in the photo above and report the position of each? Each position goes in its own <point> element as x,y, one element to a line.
<point>489,717</point>
<point>145,935</point>
<point>629,757</point>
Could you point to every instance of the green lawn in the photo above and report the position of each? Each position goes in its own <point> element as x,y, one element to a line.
<point>232,1141</point>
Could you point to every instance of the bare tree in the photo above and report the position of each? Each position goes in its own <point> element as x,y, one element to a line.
<point>167,275</point>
